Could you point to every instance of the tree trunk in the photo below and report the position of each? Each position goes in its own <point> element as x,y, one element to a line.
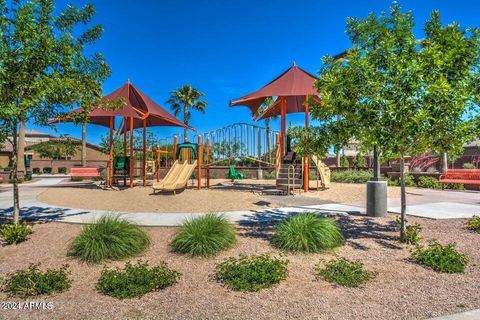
<point>339,118</point>
<point>16,202</point>
<point>403,197</point>
<point>21,148</point>
<point>338,158</point>
<point>84,144</point>
<point>376,165</point>
<point>444,162</point>
<point>185,120</point>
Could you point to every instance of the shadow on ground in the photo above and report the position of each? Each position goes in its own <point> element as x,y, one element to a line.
<point>35,214</point>
<point>354,226</point>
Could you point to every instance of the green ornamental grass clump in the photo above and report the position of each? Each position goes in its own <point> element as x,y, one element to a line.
<point>251,273</point>
<point>344,272</point>
<point>109,238</point>
<point>473,224</point>
<point>15,232</point>
<point>204,236</point>
<point>136,280</point>
<point>33,282</point>
<point>441,258</point>
<point>306,232</point>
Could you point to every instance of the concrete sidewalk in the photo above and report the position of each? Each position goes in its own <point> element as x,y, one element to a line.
<point>33,209</point>
<point>469,315</point>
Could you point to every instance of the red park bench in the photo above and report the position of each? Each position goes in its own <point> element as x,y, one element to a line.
<point>461,176</point>
<point>84,172</point>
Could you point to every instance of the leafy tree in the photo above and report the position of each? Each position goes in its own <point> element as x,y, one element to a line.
<point>393,93</point>
<point>40,54</point>
<point>55,150</point>
<point>183,99</point>
<point>450,64</point>
<point>151,139</point>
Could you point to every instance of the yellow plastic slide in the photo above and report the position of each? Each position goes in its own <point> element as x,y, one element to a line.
<point>323,171</point>
<point>177,177</point>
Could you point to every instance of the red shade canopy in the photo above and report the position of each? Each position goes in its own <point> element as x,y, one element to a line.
<point>294,84</point>
<point>294,104</point>
<point>136,105</point>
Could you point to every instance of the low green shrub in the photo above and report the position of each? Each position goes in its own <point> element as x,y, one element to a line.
<point>392,182</point>
<point>62,170</point>
<point>76,179</point>
<point>47,170</point>
<point>344,272</point>
<point>251,273</point>
<point>306,232</point>
<point>136,280</point>
<point>351,176</point>
<point>14,233</point>
<point>441,258</point>
<point>409,181</point>
<point>109,238</point>
<point>473,224</point>
<point>204,236</point>
<point>429,182</point>
<point>468,165</point>
<point>454,186</point>
<point>412,234</point>
<point>33,282</point>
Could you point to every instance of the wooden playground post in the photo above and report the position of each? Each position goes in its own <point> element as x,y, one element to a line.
<point>144,169</point>
<point>208,164</point>
<point>110,155</point>
<point>131,153</point>
<point>306,164</point>
<point>175,143</point>
<point>199,163</point>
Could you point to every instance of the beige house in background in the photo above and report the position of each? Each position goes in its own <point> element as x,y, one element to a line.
<point>95,158</point>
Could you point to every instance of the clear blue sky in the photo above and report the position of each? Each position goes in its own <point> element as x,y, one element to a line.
<point>227,48</point>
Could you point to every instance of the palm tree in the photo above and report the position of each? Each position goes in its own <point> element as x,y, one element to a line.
<point>269,101</point>
<point>184,99</point>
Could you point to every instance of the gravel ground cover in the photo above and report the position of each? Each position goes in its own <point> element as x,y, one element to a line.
<point>401,289</point>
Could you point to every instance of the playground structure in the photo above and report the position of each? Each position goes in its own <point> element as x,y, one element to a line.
<point>227,146</point>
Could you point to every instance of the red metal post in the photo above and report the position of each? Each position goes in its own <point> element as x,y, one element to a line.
<point>110,155</point>
<point>283,112</point>
<point>131,152</point>
<point>199,163</point>
<point>306,164</point>
<point>208,163</point>
<point>144,169</point>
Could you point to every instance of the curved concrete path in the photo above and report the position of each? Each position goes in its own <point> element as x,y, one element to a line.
<point>424,203</point>
<point>32,209</point>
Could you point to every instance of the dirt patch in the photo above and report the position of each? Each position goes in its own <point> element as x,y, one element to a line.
<point>401,290</point>
<point>224,196</point>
